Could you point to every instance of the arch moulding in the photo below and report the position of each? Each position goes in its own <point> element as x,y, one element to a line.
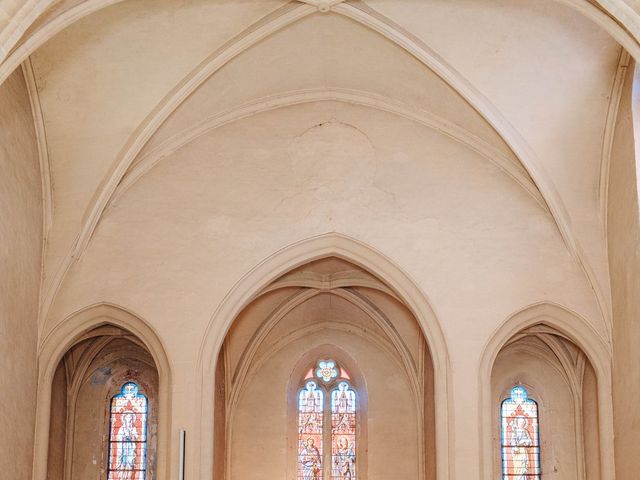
<point>278,20</point>
<point>616,17</point>
<point>69,332</point>
<point>576,329</point>
<point>276,265</point>
<point>392,344</point>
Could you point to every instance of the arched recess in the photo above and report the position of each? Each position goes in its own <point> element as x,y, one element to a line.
<point>267,273</point>
<point>566,344</point>
<point>98,322</point>
<point>275,344</point>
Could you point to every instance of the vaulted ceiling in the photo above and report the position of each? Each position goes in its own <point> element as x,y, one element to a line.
<point>153,108</point>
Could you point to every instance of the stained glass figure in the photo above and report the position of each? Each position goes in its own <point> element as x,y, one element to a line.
<point>128,435</point>
<point>343,432</point>
<point>520,437</point>
<point>326,370</point>
<point>310,428</point>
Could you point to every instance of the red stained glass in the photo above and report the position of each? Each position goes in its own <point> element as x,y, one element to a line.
<point>128,435</point>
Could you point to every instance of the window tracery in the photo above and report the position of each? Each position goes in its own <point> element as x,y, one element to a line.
<point>327,409</point>
<point>520,436</point>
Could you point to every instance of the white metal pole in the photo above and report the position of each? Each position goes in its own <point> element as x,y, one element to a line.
<point>183,435</point>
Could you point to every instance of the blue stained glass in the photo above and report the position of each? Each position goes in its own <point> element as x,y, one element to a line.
<point>327,370</point>
<point>520,437</point>
<point>127,435</point>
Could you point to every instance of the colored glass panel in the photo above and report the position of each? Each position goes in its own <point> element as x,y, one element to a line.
<point>520,437</point>
<point>327,370</point>
<point>310,431</point>
<point>343,433</point>
<point>128,435</point>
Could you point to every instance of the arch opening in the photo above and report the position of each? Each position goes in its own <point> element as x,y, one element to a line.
<point>544,351</point>
<point>83,427</point>
<point>315,313</point>
<point>104,409</point>
<point>559,379</point>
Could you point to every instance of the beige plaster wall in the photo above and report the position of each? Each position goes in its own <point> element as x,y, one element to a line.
<point>20,255</point>
<point>624,265</point>
<point>219,421</point>
<point>176,242</point>
<point>94,84</point>
<point>590,413</point>
<point>173,246</point>
<point>170,39</point>
<point>58,428</point>
<point>557,104</point>
<point>312,52</point>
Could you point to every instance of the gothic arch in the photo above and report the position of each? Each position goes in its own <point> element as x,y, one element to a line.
<point>575,329</point>
<point>251,362</point>
<point>67,333</point>
<point>613,16</point>
<point>394,340</point>
<point>371,19</point>
<point>149,159</point>
<point>286,259</point>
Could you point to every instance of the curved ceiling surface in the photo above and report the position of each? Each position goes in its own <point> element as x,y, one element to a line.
<point>531,77</point>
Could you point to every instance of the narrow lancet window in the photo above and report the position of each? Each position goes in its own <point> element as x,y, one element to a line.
<point>127,456</point>
<point>520,437</point>
<point>327,410</point>
<point>310,432</point>
<point>343,432</point>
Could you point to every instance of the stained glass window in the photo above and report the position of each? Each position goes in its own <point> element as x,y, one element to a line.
<point>327,370</point>
<point>128,435</point>
<point>520,437</point>
<point>327,413</point>
<point>343,432</point>
<point>310,431</point>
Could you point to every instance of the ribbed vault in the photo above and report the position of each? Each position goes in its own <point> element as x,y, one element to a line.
<point>181,113</point>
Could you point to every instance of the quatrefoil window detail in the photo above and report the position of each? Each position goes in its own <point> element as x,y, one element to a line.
<point>326,370</point>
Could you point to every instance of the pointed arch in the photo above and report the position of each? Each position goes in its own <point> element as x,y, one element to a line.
<point>69,332</point>
<point>613,16</point>
<point>494,117</point>
<point>276,265</point>
<point>249,355</point>
<point>150,159</point>
<point>370,18</point>
<point>575,329</point>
